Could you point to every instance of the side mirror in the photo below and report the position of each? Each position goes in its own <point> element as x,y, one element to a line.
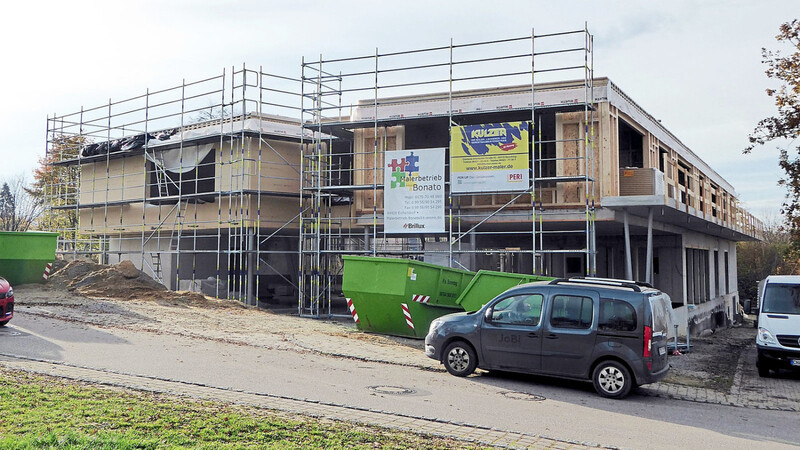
<point>488,315</point>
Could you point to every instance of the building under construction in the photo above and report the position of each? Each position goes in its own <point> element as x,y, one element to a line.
<point>507,155</point>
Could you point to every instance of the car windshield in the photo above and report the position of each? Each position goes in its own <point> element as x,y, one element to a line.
<point>782,299</point>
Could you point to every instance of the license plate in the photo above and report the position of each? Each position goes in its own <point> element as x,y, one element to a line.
<point>794,362</point>
<point>662,351</point>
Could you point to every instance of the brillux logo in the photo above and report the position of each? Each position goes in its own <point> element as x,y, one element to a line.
<point>413,225</point>
<point>403,171</point>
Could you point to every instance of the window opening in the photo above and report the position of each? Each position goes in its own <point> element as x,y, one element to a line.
<point>697,276</point>
<point>574,265</point>
<point>631,151</point>
<point>727,275</point>
<point>182,172</point>
<point>716,272</point>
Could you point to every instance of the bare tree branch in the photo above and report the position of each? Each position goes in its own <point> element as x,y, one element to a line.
<point>19,210</point>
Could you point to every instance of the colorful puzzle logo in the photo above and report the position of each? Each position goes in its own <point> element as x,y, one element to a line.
<point>404,171</point>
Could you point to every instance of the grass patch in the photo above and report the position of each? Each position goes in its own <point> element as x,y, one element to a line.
<point>46,412</point>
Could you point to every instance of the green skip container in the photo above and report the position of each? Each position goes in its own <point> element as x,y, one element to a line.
<point>400,297</point>
<point>24,255</point>
<point>488,284</point>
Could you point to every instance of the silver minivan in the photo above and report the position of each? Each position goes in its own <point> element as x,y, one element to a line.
<point>610,332</point>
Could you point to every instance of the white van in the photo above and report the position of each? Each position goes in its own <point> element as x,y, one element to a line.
<point>778,338</point>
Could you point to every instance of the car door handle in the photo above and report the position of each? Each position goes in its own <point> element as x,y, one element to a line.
<point>532,334</point>
<point>552,336</point>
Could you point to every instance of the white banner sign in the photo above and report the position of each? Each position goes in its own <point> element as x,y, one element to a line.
<point>413,191</point>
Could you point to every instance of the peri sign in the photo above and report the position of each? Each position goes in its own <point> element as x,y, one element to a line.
<point>413,199</point>
<point>489,157</point>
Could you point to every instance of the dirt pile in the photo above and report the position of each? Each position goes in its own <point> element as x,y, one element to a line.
<point>122,281</point>
<point>58,265</point>
<point>74,270</point>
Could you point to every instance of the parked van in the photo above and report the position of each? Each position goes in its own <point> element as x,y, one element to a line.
<point>612,332</point>
<point>778,338</point>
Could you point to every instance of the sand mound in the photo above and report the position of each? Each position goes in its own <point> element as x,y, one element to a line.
<point>58,265</point>
<point>123,281</point>
<point>74,270</point>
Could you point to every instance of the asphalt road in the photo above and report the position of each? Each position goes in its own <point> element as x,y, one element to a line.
<point>569,410</point>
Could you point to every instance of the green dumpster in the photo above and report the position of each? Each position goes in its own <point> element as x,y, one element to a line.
<point>24,256</point>
<point>488,284</point>
<point>400,297</point>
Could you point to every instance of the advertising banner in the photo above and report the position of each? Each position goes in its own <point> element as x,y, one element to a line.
<point>413,191</point>
<point>489,157</point>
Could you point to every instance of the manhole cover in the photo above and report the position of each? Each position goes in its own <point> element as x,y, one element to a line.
<point>523,396</point>
<point>391,390</point>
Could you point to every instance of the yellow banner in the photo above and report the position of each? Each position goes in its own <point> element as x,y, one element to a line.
<point>489,157</point>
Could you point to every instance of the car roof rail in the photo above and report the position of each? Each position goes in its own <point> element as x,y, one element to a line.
<point>632,285</point>
<point>619,280</point>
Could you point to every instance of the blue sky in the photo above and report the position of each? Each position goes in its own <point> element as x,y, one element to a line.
<point>696,66</point>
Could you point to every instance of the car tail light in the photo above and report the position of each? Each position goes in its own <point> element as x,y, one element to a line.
<point>648,341</point>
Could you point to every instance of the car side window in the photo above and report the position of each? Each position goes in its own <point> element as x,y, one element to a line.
<point>571,311</point>
<point>518,310</point>
<point>616,315</point>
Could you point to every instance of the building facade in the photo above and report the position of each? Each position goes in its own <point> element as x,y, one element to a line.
<point>261,207</point>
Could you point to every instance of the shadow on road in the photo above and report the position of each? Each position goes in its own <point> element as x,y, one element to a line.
<point>16,338</point>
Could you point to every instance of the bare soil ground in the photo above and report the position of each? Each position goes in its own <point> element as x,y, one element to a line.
<point>711,361</point>
<point>122,296</point>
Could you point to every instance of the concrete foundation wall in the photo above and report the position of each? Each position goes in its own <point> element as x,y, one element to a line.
<point>717,313</point>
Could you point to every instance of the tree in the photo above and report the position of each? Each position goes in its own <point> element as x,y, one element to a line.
<point>212,113</point>
<point>773,255</point>
<point>56,187</point>
<point>786,124</point>
<point>18,209</point>
<point>7,207</point>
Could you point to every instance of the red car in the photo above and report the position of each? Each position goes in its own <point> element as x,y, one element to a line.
<point>6,302</point>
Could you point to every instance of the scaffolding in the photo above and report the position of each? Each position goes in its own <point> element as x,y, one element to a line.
<point>197,184</point>
<point>358,108</point>
<point>252,186</point>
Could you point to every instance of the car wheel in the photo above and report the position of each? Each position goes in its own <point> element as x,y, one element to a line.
<point>612,379</point>
<point>460,359</point>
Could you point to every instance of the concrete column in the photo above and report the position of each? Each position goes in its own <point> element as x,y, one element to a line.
<point>648,276</point>
<point>628,264</point>
<point>473,246</point>
<point>251,268</point>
